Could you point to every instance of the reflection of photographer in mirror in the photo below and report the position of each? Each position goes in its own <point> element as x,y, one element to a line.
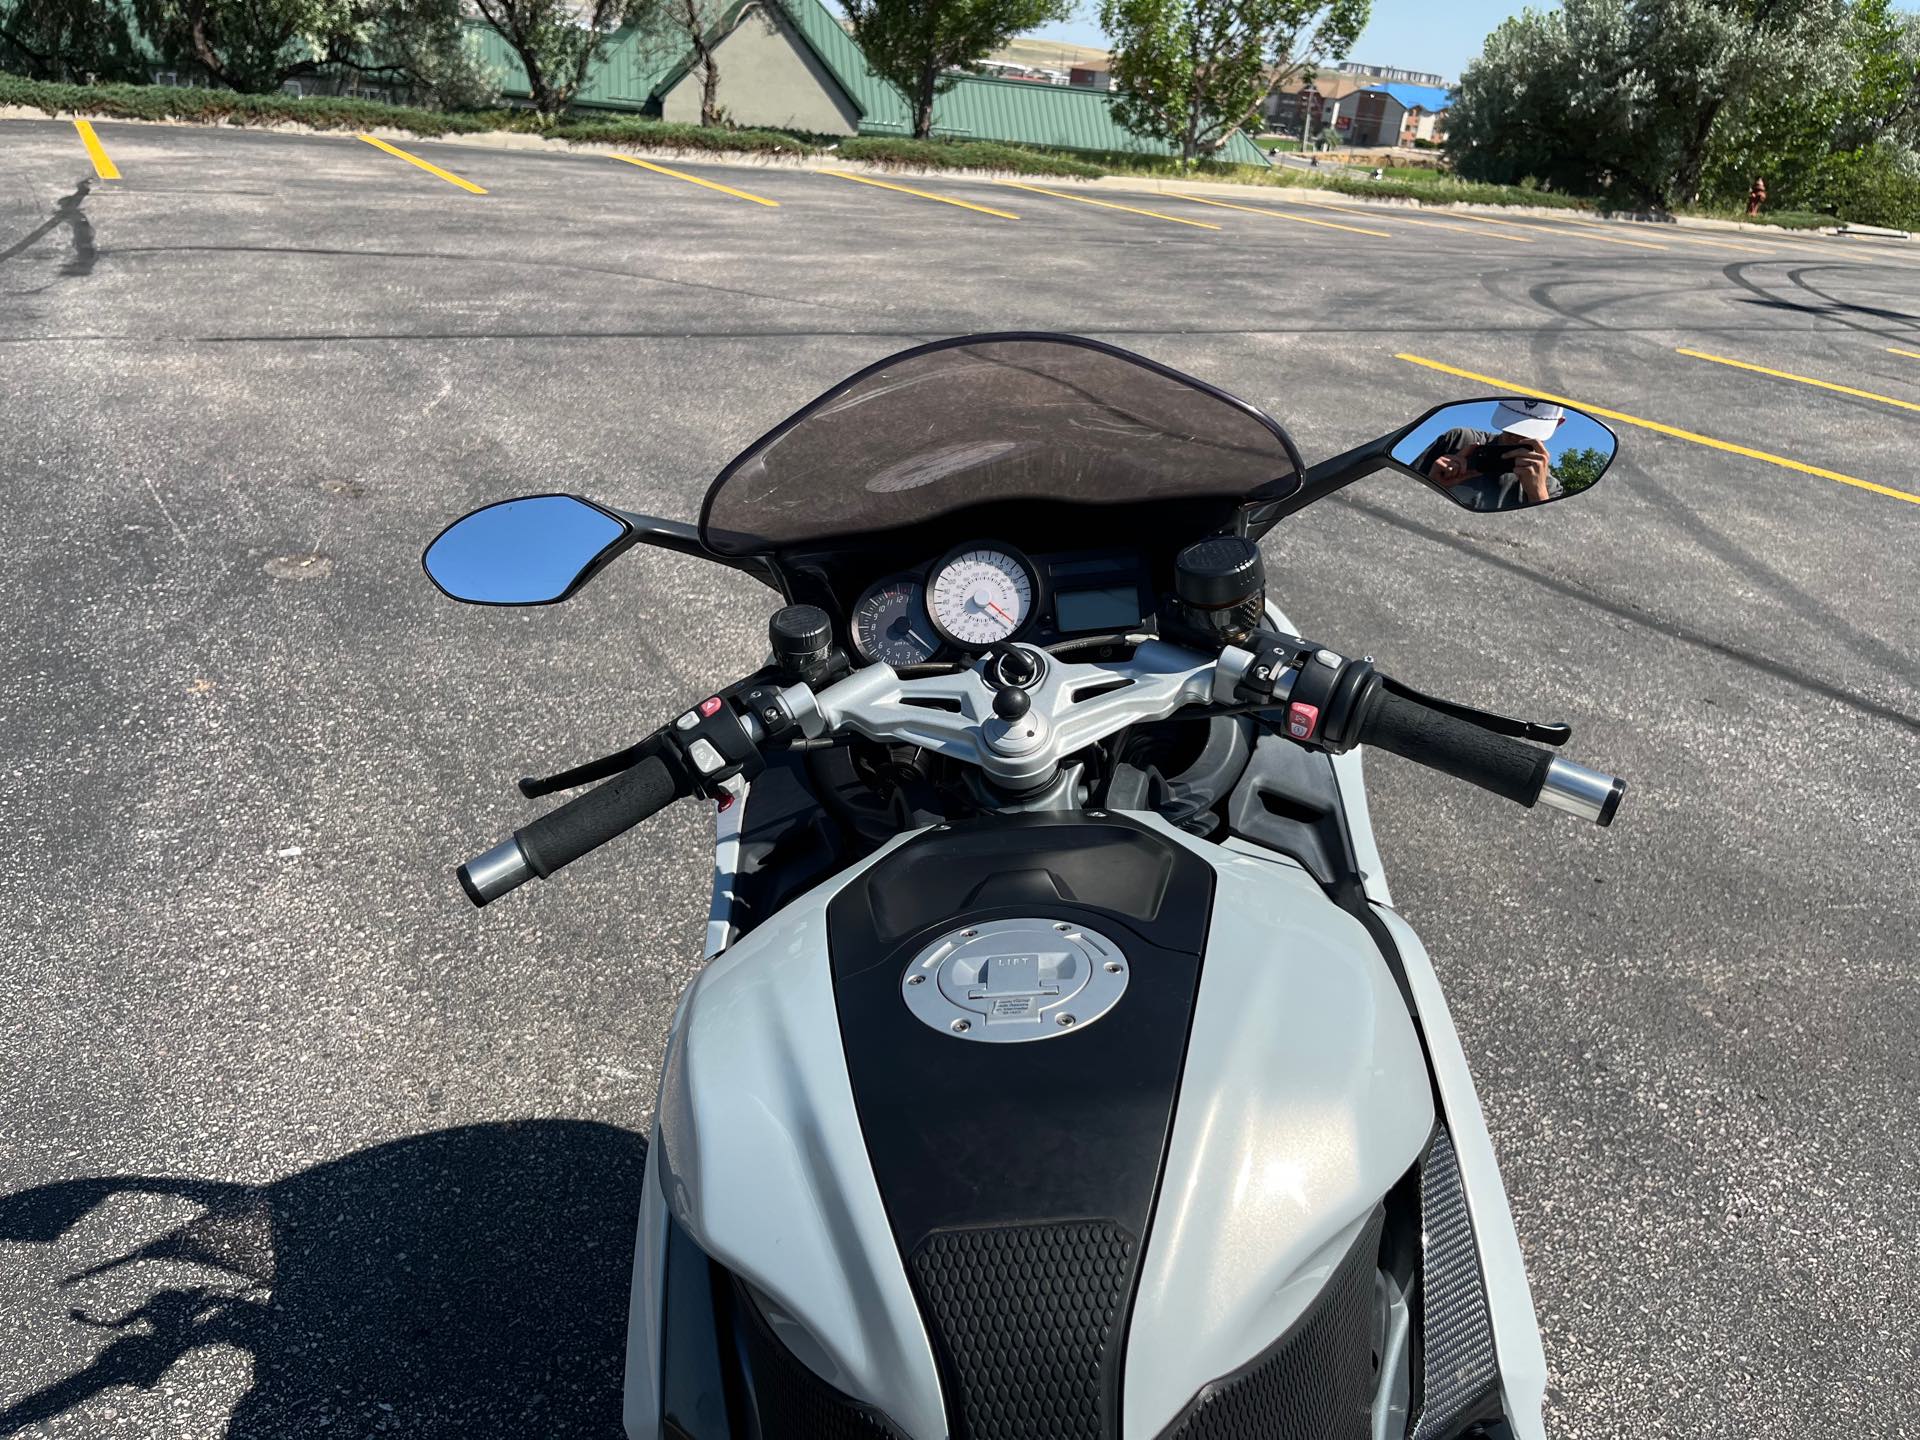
<point>1501,469</point>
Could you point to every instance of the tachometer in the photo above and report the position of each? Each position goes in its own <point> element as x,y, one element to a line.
<point>890,624</point>
<point>980,595</point>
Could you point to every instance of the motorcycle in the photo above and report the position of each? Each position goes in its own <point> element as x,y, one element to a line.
<point>1061,1067</point>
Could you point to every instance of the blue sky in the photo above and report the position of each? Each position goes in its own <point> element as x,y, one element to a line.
<point>1439,35</point>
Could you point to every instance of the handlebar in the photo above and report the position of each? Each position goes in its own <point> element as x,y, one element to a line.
<point>1511,769</point>
<point>565,833</point>
<point>1331,702</point>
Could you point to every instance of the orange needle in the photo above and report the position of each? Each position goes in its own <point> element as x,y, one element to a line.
<point>1001,613</point>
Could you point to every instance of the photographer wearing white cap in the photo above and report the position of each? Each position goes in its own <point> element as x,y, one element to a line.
<point>1499,469</point>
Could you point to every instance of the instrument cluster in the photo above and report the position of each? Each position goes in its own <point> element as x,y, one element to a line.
<point>982,593</point>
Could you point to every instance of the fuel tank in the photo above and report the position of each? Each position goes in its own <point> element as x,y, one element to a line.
<point>1060,1125</point>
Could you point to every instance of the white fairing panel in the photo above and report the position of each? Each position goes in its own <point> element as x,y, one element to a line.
<point>764,1164</point>
<point>641,1401</point>
<point>1305,1097</point>
<point>1516,1333</point>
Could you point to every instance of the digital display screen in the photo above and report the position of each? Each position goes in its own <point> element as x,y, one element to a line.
<point>1112,607</point>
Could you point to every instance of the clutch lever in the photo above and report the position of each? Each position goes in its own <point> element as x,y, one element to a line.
<point>620,761</point>
<point>604,768</point>
<point>1544,733</point>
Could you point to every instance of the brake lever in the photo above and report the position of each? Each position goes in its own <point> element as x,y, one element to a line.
<point>1545,733</point>
<point>604,768</point>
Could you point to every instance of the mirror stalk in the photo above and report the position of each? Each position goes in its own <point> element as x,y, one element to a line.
<point>684,539</point>
<point>1322,480</point>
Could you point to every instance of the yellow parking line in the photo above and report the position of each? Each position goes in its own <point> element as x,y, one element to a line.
<point>1800,379</point>
<point>1722,244</point>
<point>1600,225</point>
<point>96,152</point>
<point>1489,220</point>
<point>1910,354</point>
<point>1658,428</point>
<point>923,194</point>
<point>431,169</point>
<point>1399,219</point>
<point>1282,215</point>
<point>1667,238</point>
<point>696,180</point>
<point>1108,205</point>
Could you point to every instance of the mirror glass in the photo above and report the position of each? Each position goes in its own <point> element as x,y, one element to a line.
<point>1507,454</point>
<point>522,552</point>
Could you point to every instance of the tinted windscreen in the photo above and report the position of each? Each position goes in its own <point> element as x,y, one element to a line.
<point>944,428</point>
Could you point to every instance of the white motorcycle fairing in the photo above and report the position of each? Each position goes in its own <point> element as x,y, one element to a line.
<point>1304,1097</point>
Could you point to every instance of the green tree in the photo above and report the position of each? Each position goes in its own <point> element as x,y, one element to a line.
<point>1885,45</point>
<point>692,27</point>
<point>560,41</point>
<point>421,46</point>
<point>1638,96</point>
<point>1577,469</point>
<point>426,45</point>
<point>69,40</point>
<point>253,45</point>
<point>919,44</point>
<point>1709,62</point>
<point>1546,99</point>
<point>1848,144</point>
<point>1191,72</point>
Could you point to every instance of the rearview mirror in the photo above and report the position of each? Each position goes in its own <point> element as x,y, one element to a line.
<point>1491,455</point>
<point>533,551</point>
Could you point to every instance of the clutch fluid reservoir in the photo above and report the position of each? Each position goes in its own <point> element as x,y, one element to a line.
<point>1222,587</point>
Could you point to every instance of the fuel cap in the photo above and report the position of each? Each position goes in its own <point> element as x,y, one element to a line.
<point>1005,981</point>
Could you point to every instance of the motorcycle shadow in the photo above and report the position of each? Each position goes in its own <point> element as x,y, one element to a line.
<point>468,1282</point>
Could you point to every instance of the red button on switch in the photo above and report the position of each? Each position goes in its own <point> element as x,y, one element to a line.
<point>1302,719</point>
<point>710,706</point>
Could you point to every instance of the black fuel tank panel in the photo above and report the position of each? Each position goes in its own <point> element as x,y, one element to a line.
<point>1023,1176</point>
<point>1007,864</point>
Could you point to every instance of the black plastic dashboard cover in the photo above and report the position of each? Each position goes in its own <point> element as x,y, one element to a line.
<point>1041,1158</point>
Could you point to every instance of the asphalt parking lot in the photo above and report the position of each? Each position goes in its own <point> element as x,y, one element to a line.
<point>293,1142</point>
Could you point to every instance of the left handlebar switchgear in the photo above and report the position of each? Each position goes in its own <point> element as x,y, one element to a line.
<point>711,749</point>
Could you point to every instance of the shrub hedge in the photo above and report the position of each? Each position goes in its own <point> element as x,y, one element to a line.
<point>324,112</point>
<point>166,102</point>
<point>962,155</point>
<point>1439,190</point>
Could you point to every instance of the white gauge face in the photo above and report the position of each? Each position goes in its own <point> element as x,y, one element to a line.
<point>980,597</point>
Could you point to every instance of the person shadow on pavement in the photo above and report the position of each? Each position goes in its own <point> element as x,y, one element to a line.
<point>468,1282</point>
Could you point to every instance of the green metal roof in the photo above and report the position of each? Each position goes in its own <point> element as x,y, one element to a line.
<point>1058,117</point>
<point>883,109</point>
<point>980,107</point>
<point>639,67</point>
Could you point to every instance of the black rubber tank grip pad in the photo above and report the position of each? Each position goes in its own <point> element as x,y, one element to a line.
<point>1314,1383</point>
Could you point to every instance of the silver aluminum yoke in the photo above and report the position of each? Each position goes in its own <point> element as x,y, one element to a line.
<point>1072,707</point>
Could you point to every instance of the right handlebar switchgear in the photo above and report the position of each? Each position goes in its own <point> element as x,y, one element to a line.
<point>1334,703</point>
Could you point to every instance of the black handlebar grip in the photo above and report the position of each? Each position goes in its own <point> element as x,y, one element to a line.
<point>565,833</point>
<point>1509,768</point>
<point>606,812</point>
